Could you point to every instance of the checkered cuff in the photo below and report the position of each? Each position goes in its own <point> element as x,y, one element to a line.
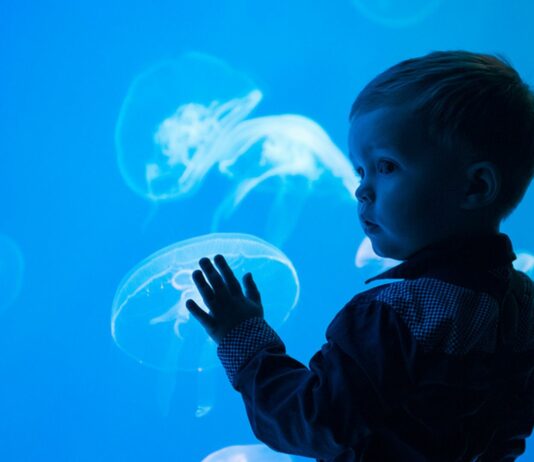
<point>243,342</point>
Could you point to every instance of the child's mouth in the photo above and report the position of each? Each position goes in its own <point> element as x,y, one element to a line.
<point>370,227</point>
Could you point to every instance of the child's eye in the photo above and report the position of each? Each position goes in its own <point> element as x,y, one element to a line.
<point>388,167</point>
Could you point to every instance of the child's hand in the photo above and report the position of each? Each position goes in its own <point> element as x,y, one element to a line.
<point>227,304</point>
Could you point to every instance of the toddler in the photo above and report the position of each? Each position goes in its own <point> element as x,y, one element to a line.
<point>437,366</point>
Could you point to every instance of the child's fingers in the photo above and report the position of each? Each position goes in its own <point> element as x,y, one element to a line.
<point>203,287</point>
<point>228,274</point>
<point>251,289</point>
<point>204,318</point>
<point>212,275</point>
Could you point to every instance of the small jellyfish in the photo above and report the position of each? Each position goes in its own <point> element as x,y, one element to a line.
<point>149,320</point>
<point>247,453</point>
<point>290,149</point>
<point>365,256</point>
<point>11,270</point>
<point>525,263</point>
<point>170,121</point>
<point>396,13</point>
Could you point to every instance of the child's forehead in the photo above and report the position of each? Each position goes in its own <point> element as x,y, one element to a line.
<point>395,129</point>
<point>381,125</point>
<point>396,133</point>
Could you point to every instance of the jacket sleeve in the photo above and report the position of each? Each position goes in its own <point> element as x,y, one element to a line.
<point>332,406</point>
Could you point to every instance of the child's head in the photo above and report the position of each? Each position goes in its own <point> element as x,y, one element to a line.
<point>444,145</point>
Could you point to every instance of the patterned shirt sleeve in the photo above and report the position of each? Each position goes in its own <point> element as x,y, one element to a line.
<point>322,411</point>
<point>242,342</point>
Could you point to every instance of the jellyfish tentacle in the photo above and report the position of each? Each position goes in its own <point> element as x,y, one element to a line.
<point>154,207</point>
<point>180,281</point>
<point>206,378</point>
<point>202,161</point>
<point>177,313</point>
<point>224,210</point>
<point>289,149</point>
<point>227,207</point>
<point>284,215</point>
<point>233,111</point>
<point>183,137</point>
<point>190,127</point>
<point>247,186</point>
<point>315,145</point>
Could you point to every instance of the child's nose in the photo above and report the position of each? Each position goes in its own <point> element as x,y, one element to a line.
<point>363,193</point>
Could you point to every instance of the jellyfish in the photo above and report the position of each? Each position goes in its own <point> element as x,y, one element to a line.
<point>396,13</point>
<point>247,453</point>
<point>184,117</point>
<point>525,263</point>
<point>365,256</point>
<point>287,154</point>
<point>168,126</point>
<point>149,319</point>
<point>11,270</point>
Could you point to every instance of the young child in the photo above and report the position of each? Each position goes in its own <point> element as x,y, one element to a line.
<point>437,366</point>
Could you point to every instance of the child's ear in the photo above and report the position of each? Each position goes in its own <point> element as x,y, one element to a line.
<point>483,185</point>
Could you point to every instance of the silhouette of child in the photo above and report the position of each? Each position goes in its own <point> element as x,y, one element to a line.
<point>437,366</point>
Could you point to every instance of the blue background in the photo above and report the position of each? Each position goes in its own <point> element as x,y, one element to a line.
<point>67,393</point>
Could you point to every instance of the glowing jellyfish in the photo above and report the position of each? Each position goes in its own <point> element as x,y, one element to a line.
<point>247,453</point>
<point>366,256</point>
<point>174,113</point>
<point>282,148</point>
<point>396,13</point>
<point>525,263</point>
<point>149,319</point>
<point>11,269</point>
<point>184,117</point>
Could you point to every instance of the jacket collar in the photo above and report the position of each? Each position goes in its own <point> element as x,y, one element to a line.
<point>479,252</point>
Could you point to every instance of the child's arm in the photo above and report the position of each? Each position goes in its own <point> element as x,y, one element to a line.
<point>331,407</point>
<point>294,409</point>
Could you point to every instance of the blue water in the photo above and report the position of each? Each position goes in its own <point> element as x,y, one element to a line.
<point>76,217</point>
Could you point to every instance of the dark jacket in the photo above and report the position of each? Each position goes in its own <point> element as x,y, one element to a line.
<point>435,367</point>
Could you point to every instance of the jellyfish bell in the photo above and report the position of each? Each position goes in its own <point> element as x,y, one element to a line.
<point>247,453</point>
<point>149,320</point>
<point>396,13</point>
<point>366,256</point>
<point>170,120</point>
<point>11,271</point>
<point>525,263</point>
